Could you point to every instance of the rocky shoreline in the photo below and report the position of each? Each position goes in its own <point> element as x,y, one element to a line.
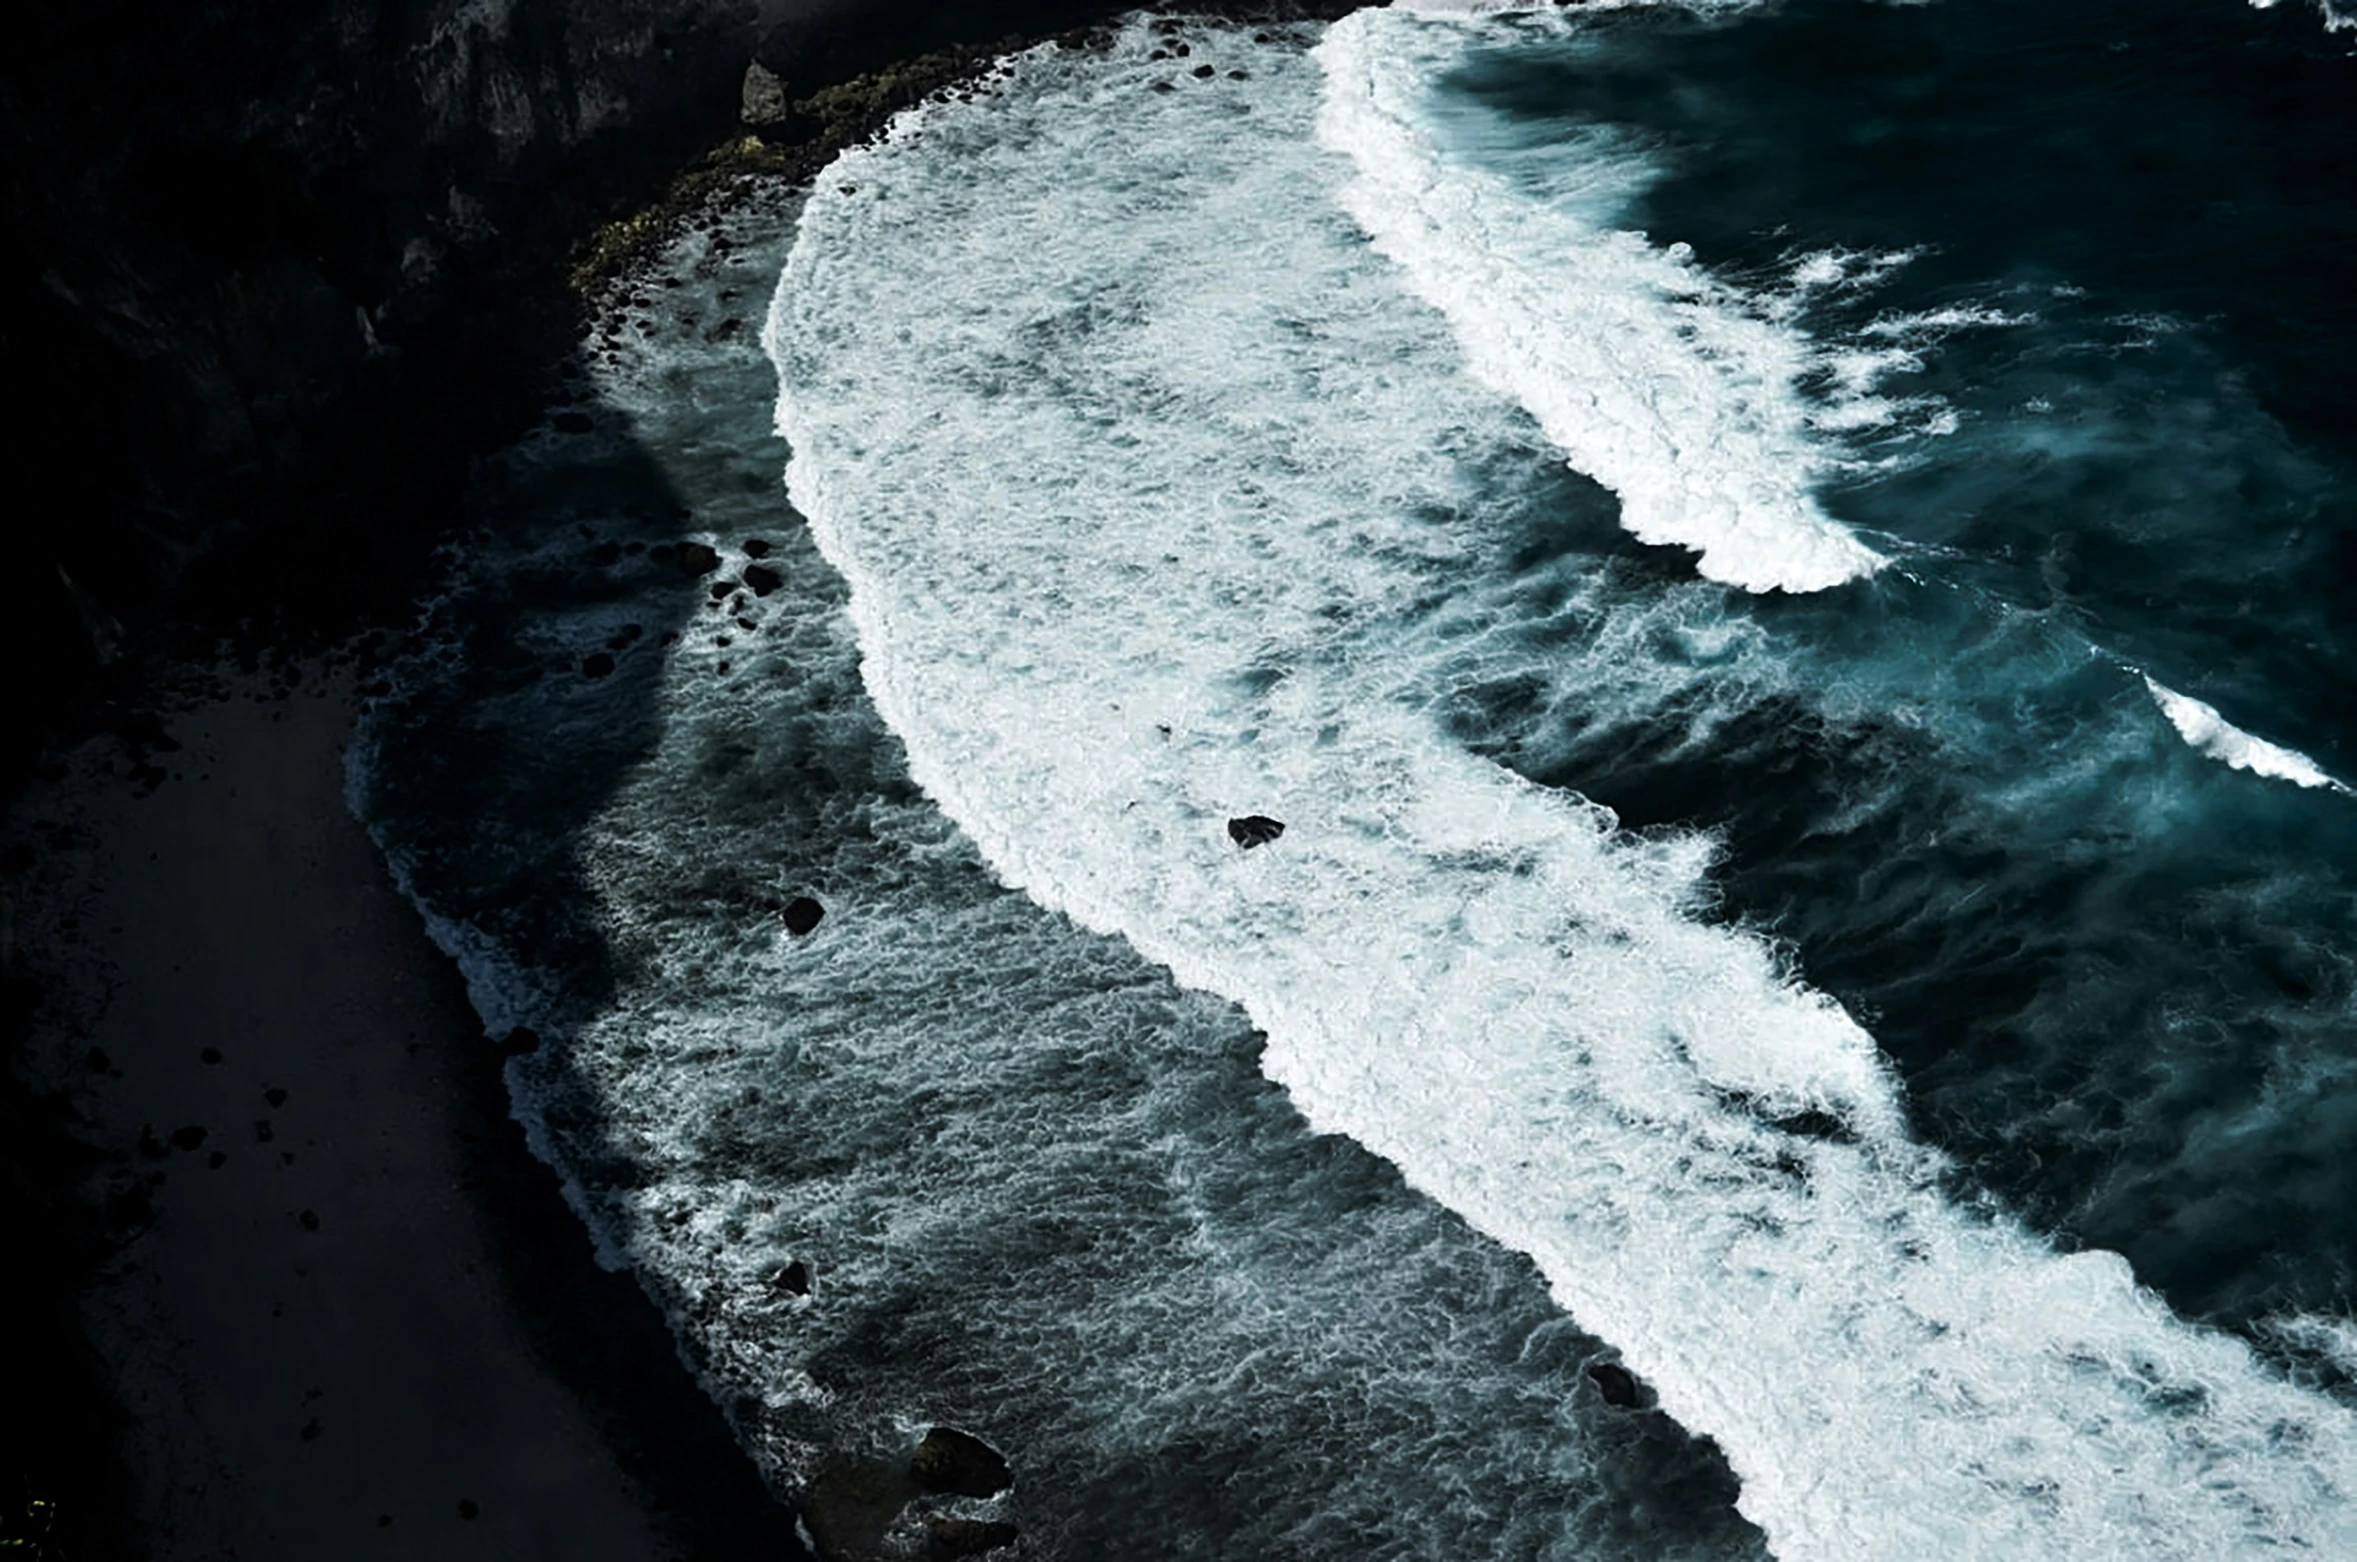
<point>281,280</point>
<point>278,275</point>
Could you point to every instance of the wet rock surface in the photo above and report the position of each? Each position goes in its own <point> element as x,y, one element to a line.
<point>1254,830</point>
<point>949,1460</point>
<point>859,1509</point>
<point>1616,1383</point>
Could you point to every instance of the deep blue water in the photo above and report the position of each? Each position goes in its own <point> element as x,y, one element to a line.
<point>2138,1026</point>
<point>1167,447</point>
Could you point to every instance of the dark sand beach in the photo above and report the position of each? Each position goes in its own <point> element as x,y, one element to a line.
<point>299,1289</point>
<point>344,1313</point>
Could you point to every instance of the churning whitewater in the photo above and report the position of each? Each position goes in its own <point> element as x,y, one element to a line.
<point>1155,410</point>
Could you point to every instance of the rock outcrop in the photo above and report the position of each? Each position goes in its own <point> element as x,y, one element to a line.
<point>1616,1383</point>
<point>278,271</point>
<point>1254,830</point>
<point>959,1463</point>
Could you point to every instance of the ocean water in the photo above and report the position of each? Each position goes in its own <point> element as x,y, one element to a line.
<point>1791,574</point>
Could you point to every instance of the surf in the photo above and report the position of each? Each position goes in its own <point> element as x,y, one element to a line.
<point>1146,501</point>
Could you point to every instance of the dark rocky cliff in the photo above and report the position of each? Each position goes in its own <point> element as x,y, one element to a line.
<point>272,272</point>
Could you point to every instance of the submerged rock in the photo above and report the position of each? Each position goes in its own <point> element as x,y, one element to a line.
<point>946,1537</point>
<point>1254,830</point>
<point>801,915</point>
<point>949,1460</point>
<point>763,579</point>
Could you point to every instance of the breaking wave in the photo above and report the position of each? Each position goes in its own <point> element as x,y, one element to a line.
<point>1147,503</point>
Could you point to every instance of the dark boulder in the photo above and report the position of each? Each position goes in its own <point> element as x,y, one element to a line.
<point>793,1279</point>
<point>763,99</point>
<point>801,915</point>
<point>1616,1383</point>
<point>1254,830</point>
<point>949,1460</point>
<point>763,579</point>
<point>597,664</point>
<point>757,547</point>
<point>695,558</point>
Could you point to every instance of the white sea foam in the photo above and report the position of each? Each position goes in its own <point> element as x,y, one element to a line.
<point>2335,19</point>
<point>2327,1338</point>
<point>2201,726</point>
<point>1939,322</point>
<point>1836,270</point>
<point>1146,480</point>
<point>1652,379</point>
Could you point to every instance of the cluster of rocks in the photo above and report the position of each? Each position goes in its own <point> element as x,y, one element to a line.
<point>906,1507</point>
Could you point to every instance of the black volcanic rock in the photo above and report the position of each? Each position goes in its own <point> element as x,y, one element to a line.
<point>696,558</point>
<point>801,915</point>
<point>949,1460</point>
<point>763,579</point>
<point>1254,830</point>
<point>1616,1383</point>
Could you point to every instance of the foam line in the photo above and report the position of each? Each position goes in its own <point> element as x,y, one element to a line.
<point>2204,729</point>
<point>1652,379</point>
<point>1145,476</point>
